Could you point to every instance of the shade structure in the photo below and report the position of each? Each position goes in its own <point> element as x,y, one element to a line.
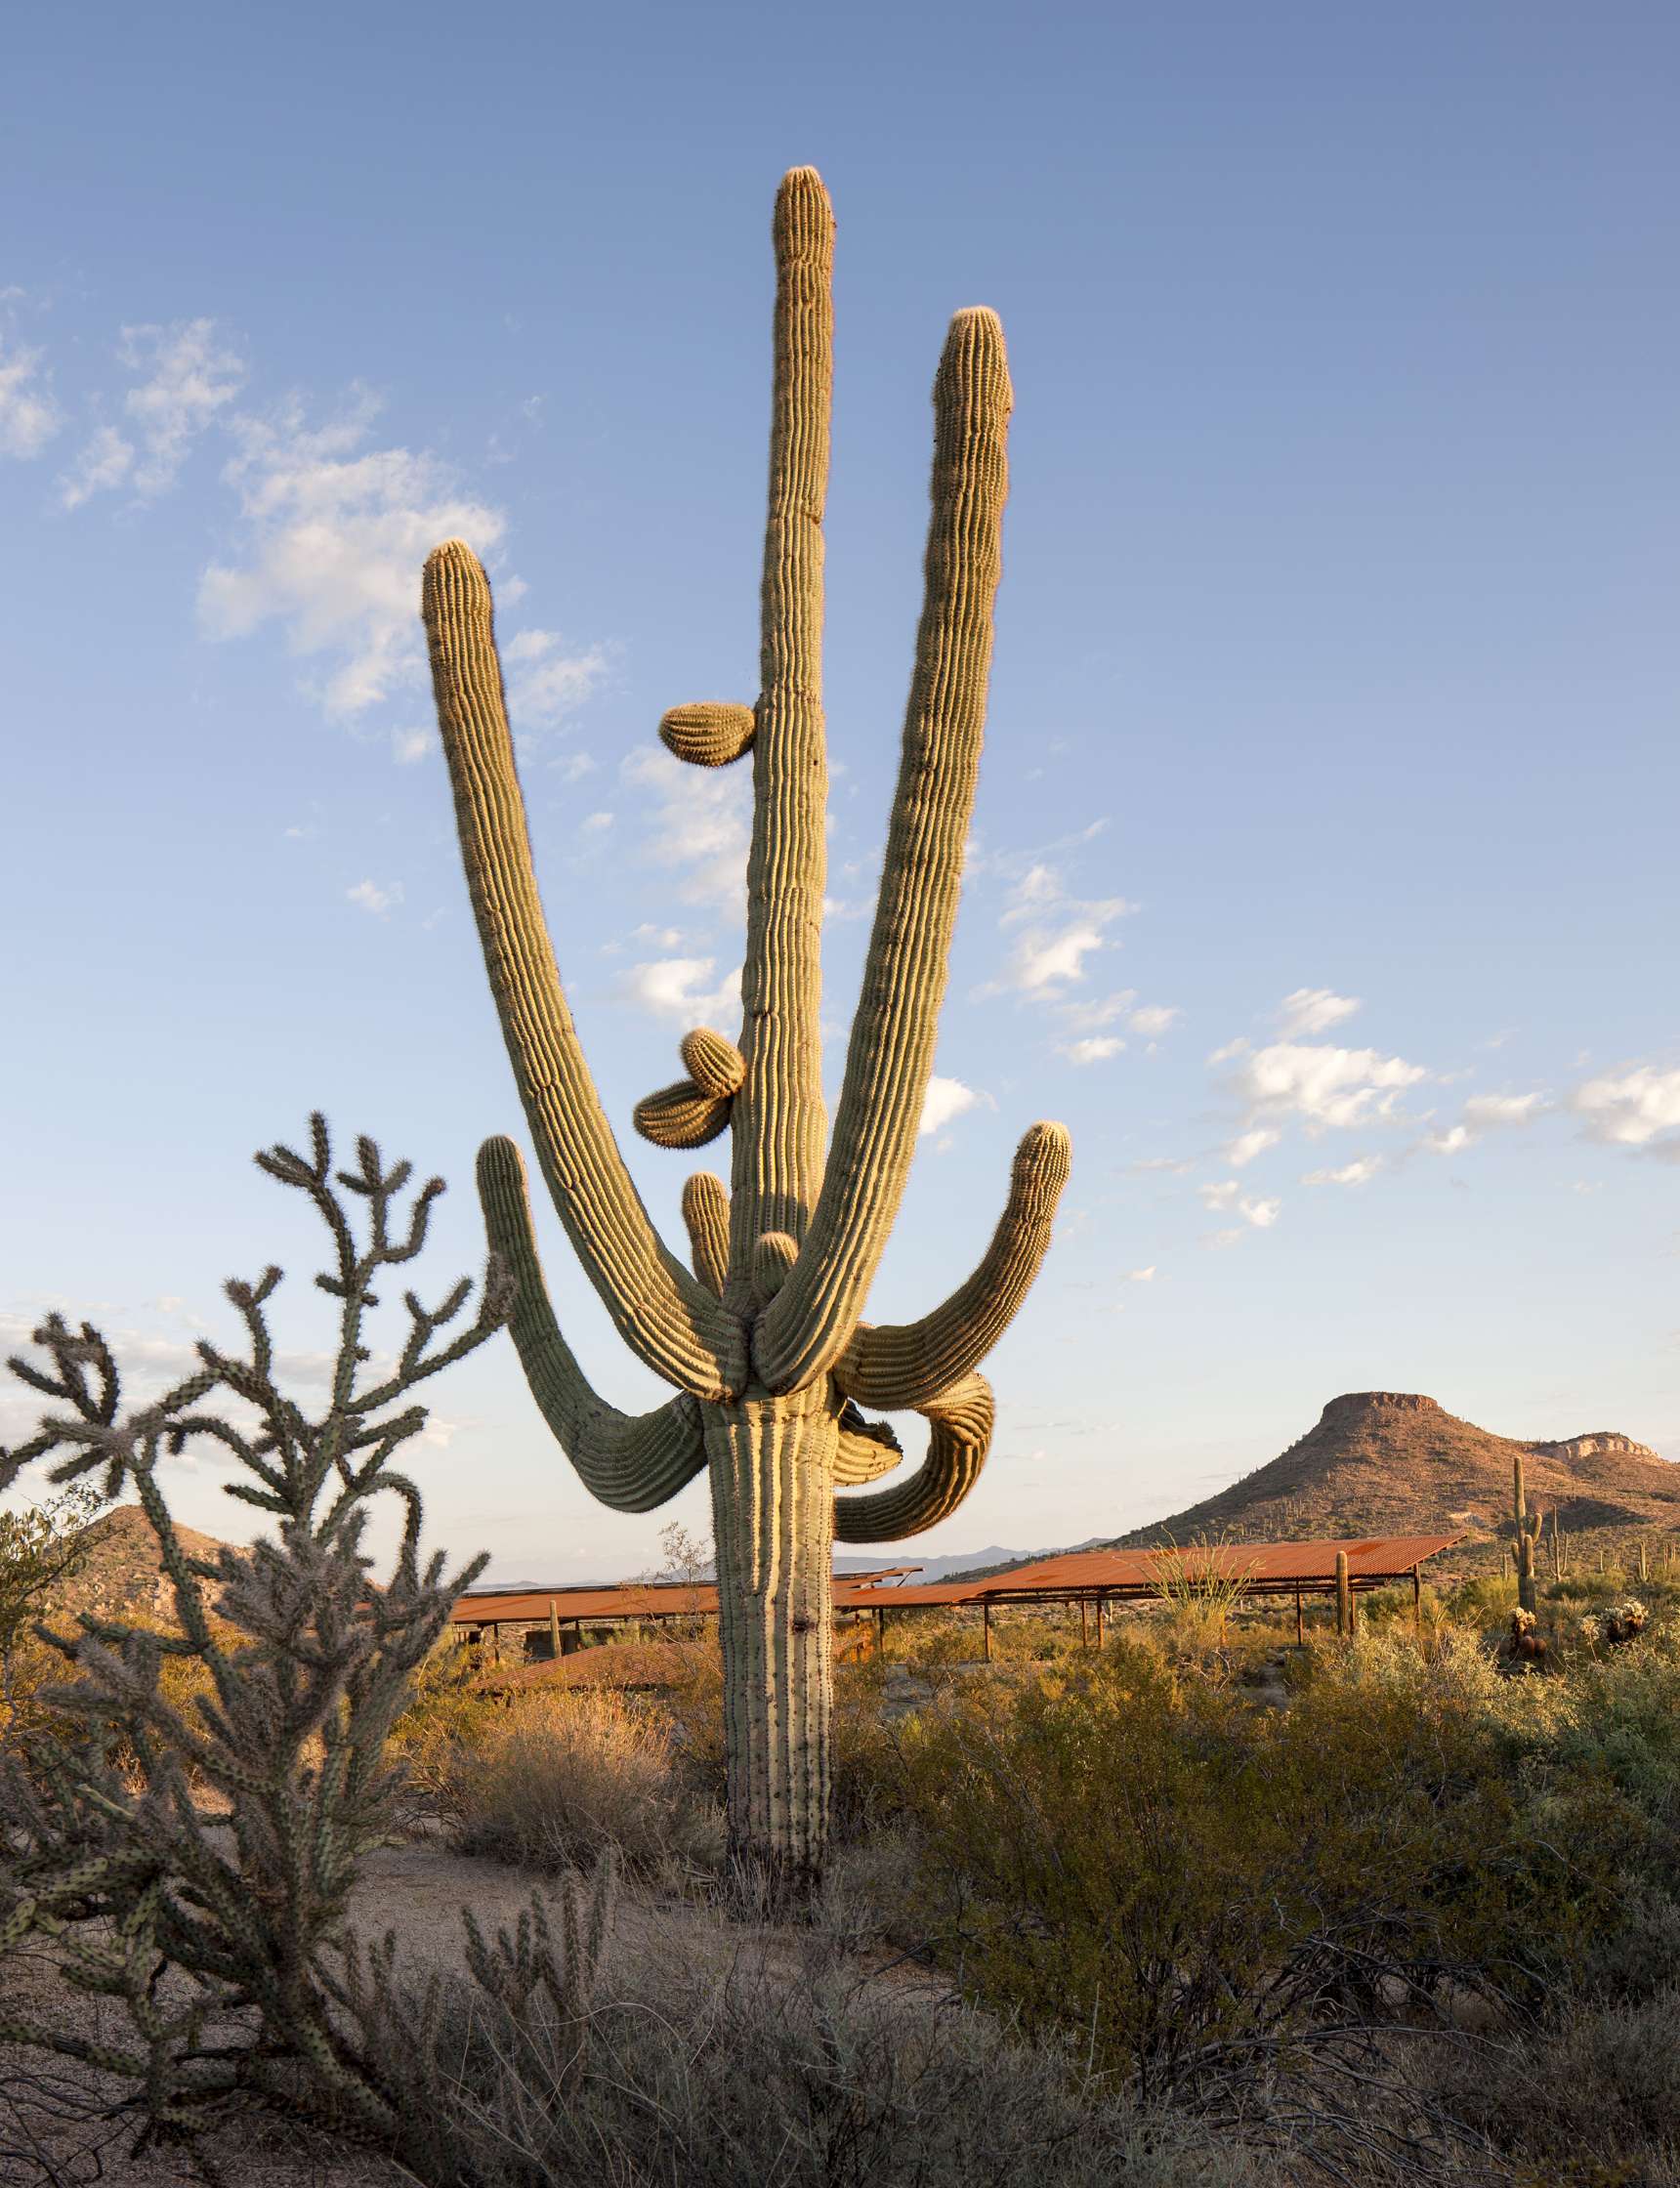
<point>1259,1567</point>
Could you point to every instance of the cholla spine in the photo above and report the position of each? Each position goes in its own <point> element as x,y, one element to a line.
<point>764,1341</point>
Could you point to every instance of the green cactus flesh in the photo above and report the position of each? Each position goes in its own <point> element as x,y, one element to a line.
<point>764,1341</point>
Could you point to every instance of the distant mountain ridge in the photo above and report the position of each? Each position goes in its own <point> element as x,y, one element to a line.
<point>1396,1462</point>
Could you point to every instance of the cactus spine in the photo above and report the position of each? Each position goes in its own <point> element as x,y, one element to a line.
<point>764,1341</point>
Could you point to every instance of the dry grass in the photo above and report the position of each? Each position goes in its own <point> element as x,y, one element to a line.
<point>553,1780</point>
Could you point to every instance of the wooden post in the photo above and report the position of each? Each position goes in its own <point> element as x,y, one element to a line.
<point>496,1643</point>
<point>1417,1601</point>
<point>1084,1628</point>
<point>1099,1621</point>
<point>880,1632</point>
<point>554,1628</point>
<point>985,1631</point>
<point>1300,1622</point>
<point>1344,1597</point>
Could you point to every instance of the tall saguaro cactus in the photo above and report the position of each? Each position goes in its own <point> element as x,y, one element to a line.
<point>765,1342</point>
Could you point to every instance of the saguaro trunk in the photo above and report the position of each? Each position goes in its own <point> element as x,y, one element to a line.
<point>772,1462</point>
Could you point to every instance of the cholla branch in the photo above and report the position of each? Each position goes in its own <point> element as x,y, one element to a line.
<point>108,1860</point>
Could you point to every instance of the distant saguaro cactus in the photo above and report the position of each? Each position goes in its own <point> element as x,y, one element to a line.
<point>765,1342</point>
<point>1528,1531</point>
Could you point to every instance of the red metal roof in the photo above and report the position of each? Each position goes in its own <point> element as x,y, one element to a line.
<point>631,1600</point>
<point>1262,1565</point>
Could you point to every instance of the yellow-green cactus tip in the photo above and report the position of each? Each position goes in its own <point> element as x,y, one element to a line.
<point>772,1258</point>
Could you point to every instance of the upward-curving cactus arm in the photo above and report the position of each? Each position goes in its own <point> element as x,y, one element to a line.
<point>706,1213</point>
<point>779,1120</point>
<point>632,1461</point>
<point>664,1316</point>
<point>891,1054</point>
<point>905,1363</point>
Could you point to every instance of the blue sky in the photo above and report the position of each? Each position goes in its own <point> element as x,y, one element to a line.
<point>1323,879</point>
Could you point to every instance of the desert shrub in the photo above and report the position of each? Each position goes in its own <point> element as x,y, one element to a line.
<point>1590,2100</point>
<point>555,1779</point>
<point>41,1547</point>
<point>724,2069</point>
<point>1140,1854</point>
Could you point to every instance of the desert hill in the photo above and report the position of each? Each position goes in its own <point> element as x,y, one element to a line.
<point>1389,1462</point>
<point>121,1577</point>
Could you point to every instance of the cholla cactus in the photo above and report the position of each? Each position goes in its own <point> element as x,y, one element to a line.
<point>765,1342</point>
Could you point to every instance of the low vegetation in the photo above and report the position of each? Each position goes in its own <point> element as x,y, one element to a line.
<point>1191,1907</point>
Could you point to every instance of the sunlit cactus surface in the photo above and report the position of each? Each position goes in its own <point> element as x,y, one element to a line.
<point>764,1340</point>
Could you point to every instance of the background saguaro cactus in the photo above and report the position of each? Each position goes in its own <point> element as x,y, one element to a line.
<point>765,1342</point>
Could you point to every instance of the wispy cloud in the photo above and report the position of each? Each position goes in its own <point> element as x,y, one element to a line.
<point>1360,1172</point>
<point>1314,1010</point>
<point>334,539</point>
<point>1092,1048</point>
<point>684,988</point>
<point>375,897</point>
<point>699,825</point>
<point>1247,1145</point>
<point>1054,935</point>
<point>29,417</point>
<point>945,1100</point>
<point>1638,1108</point>
<point>191,377</point>
<point>1325,1088</point>
<point>547,679</point>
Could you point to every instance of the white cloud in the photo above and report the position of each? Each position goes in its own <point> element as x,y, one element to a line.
<point>1153,1018</point>
<point>1638,1108</point>
<point>1314,1010</point>
<point>1484,1111</point>
<point>372,896</point>
<point>1093,1048</point>
<point>28,415</point>
<point>1261,1213</point>
<point>191,378</point>
<point>1220,1196</point>
<point>409,745</point>
<point>1141,1276</point>
<point>1247,1145</point>
<point>545,682</point>
<point>1361,1171</point>
<point>573,767</point>
<point>596,824</point>
<point>334,544</point>
<point>700,828</point>
<point>1238,1047</point>
<point>1055,934</point>
<point>676,988</point>
<point>945,1100</point>
<point>1450,1142</point>
<point>1228,1195</point>
<point>1324,1086</point>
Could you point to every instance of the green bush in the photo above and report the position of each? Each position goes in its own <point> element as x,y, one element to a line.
<point>1139,1855</point>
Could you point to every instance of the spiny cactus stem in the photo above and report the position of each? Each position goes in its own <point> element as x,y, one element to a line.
<point>772,1463</point>
<point>780,1123</point>
<point>890,1058</point>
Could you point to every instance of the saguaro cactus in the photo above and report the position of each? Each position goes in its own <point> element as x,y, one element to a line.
<point>764,1341</point>
<point>1527,1528</point>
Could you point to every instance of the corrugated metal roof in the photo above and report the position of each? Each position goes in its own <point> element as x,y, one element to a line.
<point>631,1600</point>
<point>1262,1565</point>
